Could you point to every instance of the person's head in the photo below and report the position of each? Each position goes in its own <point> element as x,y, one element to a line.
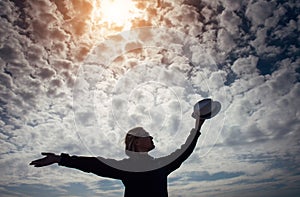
<point>138,140</point>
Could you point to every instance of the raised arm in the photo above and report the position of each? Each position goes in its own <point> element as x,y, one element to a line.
<point>175,159</point>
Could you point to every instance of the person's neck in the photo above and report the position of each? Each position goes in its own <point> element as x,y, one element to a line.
<point>135,154</point>
<point>142,151</point>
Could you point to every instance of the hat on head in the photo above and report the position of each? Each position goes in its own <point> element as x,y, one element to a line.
<point>132,135</point>
<point>206,109</point>
<point>138,132</point>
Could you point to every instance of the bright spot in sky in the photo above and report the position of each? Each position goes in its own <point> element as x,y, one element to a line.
<point>116,13</point>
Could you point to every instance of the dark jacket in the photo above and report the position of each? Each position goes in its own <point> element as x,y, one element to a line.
<point>138,181</point>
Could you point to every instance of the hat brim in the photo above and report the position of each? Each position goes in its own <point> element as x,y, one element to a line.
<point>215,106</point>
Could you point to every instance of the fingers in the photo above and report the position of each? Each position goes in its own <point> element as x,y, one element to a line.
<point>39,163</point>
<point>36,165</point>
<point>35,162</point>
<point>43,153</point>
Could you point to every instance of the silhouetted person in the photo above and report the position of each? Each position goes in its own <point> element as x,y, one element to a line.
<point>141,174</point>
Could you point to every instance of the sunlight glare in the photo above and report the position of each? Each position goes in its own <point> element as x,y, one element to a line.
<point>116,13</point>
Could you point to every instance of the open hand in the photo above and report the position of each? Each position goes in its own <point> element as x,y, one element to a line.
<point>50,158</point>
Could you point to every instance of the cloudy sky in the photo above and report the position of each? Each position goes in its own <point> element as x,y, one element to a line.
<point>77,74</point>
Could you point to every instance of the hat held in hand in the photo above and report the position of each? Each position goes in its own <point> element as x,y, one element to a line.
<point>206,109</point>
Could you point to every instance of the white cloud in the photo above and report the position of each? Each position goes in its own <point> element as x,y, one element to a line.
<point>232,4</point>
<point>225,40</point>
<point>230,21</point>
<point>244,67</point>
<point>259,11</point>
<point>189,57</point>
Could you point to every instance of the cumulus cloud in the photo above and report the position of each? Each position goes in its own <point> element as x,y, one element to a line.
<point>69,84</point>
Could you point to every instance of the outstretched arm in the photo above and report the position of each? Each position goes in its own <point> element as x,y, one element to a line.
<point>87,164</point>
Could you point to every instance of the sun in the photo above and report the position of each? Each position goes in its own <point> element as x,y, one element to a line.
<point>115,13</point>
<point>118,11</point>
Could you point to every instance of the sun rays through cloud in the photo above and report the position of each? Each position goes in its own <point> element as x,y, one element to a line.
<point>115,15</point>
<point>117,64</point>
